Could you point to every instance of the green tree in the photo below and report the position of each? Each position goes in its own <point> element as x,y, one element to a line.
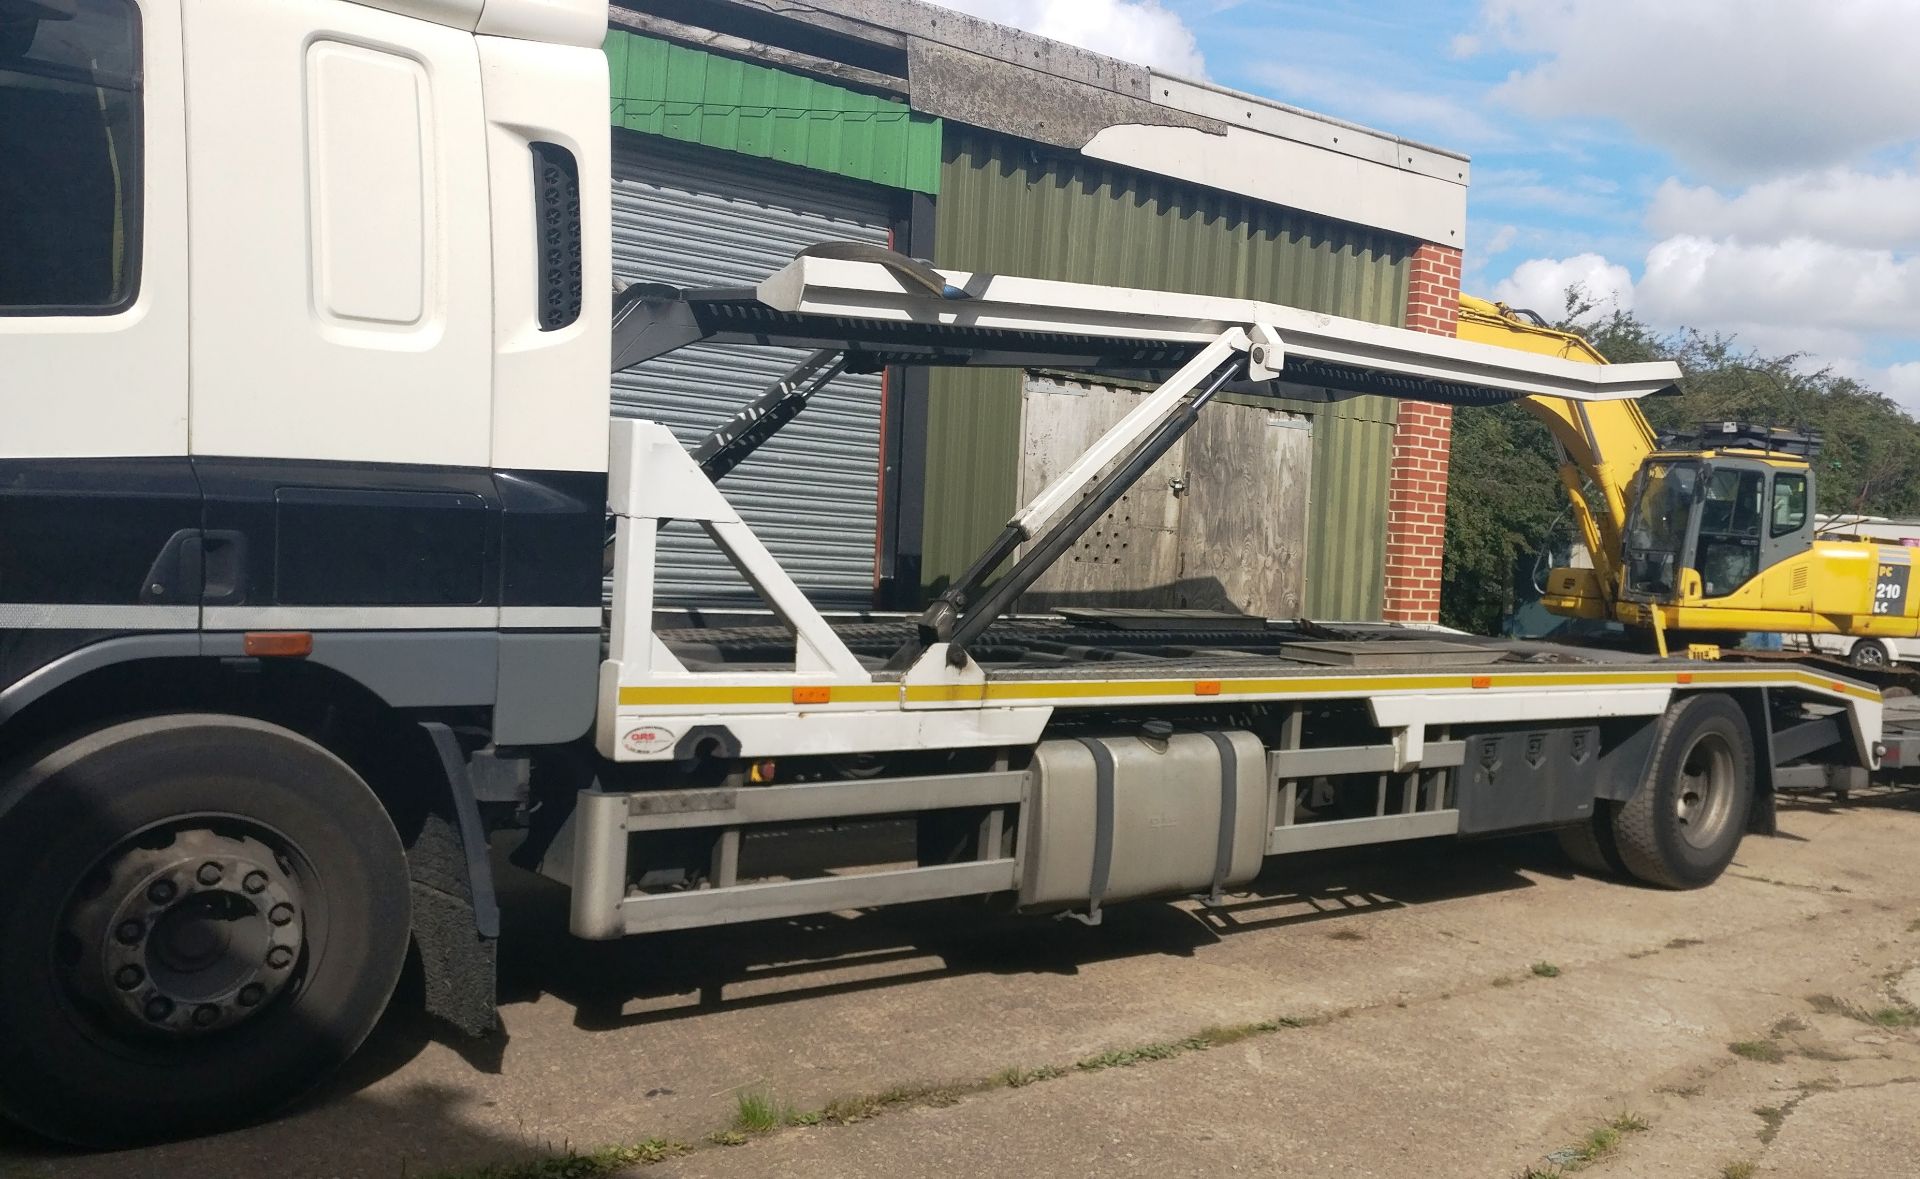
<point>1504,497</point>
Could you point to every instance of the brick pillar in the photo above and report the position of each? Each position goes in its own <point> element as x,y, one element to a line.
<point>1417,479</point>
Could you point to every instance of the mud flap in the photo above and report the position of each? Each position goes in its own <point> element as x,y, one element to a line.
<point>456,919</point>
<point>1762,818</point>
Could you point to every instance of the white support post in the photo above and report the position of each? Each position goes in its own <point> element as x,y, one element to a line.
<point>651,478</point>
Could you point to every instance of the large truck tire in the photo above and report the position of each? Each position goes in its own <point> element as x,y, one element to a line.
<point>1683,825</point>
<point>1590,845</point>
<point>201,918</point>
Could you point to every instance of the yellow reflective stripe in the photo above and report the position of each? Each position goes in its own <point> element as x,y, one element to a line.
<point>761,694</point>
<point>1042,691</point>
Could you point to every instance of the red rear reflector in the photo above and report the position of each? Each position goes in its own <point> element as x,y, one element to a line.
<point>1206,687</point>
<point>278,644</point>
<point>813,695</point>
<point>1483,681</point>
<point>1838,686</point>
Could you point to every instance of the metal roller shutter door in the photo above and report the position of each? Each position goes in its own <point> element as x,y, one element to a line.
<point>694,217</point>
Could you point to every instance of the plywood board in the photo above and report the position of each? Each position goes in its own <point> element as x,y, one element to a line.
<point>1243,521</point>
<point>1129,556</point>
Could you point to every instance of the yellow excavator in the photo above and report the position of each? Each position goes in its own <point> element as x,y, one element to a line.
<point>1702,537</point>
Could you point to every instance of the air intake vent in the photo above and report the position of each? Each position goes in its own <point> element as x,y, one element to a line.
<point>556,192</point>
<point>1799,580</point>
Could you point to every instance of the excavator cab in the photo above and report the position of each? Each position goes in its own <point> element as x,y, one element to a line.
<point>1712,510</point>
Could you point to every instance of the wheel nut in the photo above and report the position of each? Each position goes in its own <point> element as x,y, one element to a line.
<point>159,1008</point>
<point>162,892</point>
<point>251,994</point>
<point>129,977</point>
<point>209,874</point>
<point>205,1015</point>
<point>129,932</point>
<point>280,957</point>
<point>280,914</point>
<point>255,882</point>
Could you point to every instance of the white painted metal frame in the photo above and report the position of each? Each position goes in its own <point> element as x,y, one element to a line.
<point>830,703</point>
<point>828,286</point>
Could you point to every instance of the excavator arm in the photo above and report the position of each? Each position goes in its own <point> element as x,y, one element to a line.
<point>1601,445</point>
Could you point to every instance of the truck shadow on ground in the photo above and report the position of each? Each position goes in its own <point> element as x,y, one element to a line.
<point>672,976</point>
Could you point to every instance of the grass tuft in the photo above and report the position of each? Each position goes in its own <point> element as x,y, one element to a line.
<point>1020,1078</point>
<point>1546,970</point>
<point>1628,1122</point>
<point>1739,1169</point>
<point>727,1138</point>
<point>1785,1026</point>
<point>1897,1016</point>
<point>1128,1057</point>
<point>1775,1116</point>
<point>847,1110</point>
<point>1685,943</point>
<point>756,1112</point>
<point>1600,1142</point>
<point>1764,1051</point>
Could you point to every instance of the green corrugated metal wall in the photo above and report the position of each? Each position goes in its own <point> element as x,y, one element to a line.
<point>696,97</point>
<point>1002,208</point>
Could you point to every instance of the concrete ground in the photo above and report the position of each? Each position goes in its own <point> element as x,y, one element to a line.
<point>1428,1044</point>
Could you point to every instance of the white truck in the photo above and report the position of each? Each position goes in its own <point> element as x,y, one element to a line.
<point>306,478</point>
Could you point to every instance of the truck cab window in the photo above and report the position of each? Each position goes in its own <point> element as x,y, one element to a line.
<point>69,156</point>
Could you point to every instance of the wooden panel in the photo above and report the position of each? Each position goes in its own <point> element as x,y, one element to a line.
<point>1243,525</point>
<point>1219,523</point>
<point>1130,557</point>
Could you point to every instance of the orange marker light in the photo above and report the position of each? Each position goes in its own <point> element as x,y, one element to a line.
<point>1685,677</point>
<point>813,695</point>
<point>278,644</point>
<point>1206,687</point>
<point>1483,681</point>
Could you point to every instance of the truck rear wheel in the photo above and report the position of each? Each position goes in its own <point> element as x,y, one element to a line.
<point>1590,846</point>
<point>201,917</point>
<point>1682,826</point>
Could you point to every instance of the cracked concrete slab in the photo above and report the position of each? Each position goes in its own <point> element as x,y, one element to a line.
<point>1434,1048</point>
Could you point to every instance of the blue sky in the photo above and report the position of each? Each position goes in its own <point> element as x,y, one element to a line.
<point>1742,166</point>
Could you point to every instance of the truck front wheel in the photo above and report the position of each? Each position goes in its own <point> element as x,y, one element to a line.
<point>1684,823</point>
<point>201,917</point>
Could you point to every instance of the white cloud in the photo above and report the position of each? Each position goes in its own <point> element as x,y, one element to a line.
<point>1360,95</point>
<point>1797,283</point>
<point>1829,303</point>
<point>1582,196</point>
<point>1734,88</point>
<point>1541,285</point>
<point>1498,242</point>
<point>1141,31</point>
<point>1839,205</point>
<point>1900,382</point>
